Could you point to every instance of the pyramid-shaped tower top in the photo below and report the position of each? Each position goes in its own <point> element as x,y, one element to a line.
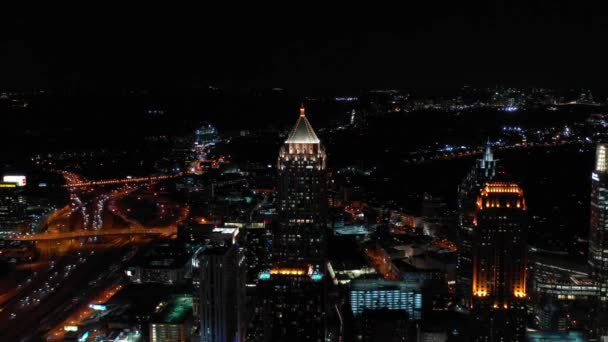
<point>302,132</point>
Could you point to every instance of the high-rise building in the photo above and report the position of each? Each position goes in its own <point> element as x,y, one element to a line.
<point>484,170</point>
<point>302,200</point>
<point>598,234</point>
<point>292,292</point>
<point>293,303</point>
<point>499,264</point>
<point>12,205</point>
<point>220,306</point>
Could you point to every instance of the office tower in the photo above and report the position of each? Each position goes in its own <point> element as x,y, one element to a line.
<point>292,292</point>
<point>381,309</point>
<point>598,234</point>
<point>302,200</point>
<point>293,303</point>
<point>484,170</point>
<point>499,264</point>
<point>221,301</point>
<point>12,204</point>
<point>374,294</point>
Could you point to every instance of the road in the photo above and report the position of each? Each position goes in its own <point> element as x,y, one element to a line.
<point>97,233</point>
<point>431,156</point>
<point>67,291</point>
<point>77,184</point>
<point>77,266</point>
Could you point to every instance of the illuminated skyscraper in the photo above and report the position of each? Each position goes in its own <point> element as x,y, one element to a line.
<point>12,205</point>
<point>302,202</point>
<point>292,293</point>
<point>598,233</point>
<point>499,264</point>
<point>484,170</point>
<point>219,303</point>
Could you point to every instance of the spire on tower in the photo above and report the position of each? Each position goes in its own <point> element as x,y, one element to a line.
<point>486,165</point>
<point>302,110</point>
<point>488,155</point>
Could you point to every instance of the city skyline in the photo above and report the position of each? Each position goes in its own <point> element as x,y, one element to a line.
<point>291,254</point>
<point>432,173</point>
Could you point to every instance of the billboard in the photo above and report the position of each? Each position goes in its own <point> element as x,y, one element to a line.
<point>19,179</point>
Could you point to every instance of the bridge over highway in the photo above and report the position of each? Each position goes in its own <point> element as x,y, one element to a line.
<point>79,184</point>
<point>94,233</point>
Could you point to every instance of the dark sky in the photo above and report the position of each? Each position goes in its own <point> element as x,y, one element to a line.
<point>312,47</point>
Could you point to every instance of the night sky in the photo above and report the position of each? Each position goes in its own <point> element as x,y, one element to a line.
<point>311,48</point>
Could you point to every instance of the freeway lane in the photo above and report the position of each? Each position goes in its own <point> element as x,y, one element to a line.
<point>79,261</point>
<point>101,269</point>
<point>96,233</point>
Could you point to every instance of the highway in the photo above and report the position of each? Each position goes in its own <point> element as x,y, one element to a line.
<point>78,184</point>
<point>429,157</point>
<point>79,265</point>
<point>54,297</point>
<point>96,233</point>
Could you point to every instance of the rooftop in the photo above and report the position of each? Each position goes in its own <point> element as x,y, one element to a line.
<point>295,269</point>
<point>175,310</point>
<point>573,336</point>
<point>501,195</point>
<point>302,132</point>
<point>381,284</point>
<point>168,255</point>
<point>502,187</point>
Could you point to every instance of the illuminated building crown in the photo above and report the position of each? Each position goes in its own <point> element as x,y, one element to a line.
<point>501,195</point>
<point>302,132</point>
<point>302,145</point>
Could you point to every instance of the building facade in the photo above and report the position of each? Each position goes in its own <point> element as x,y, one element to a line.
<point>598,234</point>
<point>302,200</point>
<point>12,207</point>
<point>293,303</point>
<point>373,294</point>
<point>484,170</point>
<point>292,292</point>
<point>221,304</point>
<point>257,251</point>
<point>499,264</point>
